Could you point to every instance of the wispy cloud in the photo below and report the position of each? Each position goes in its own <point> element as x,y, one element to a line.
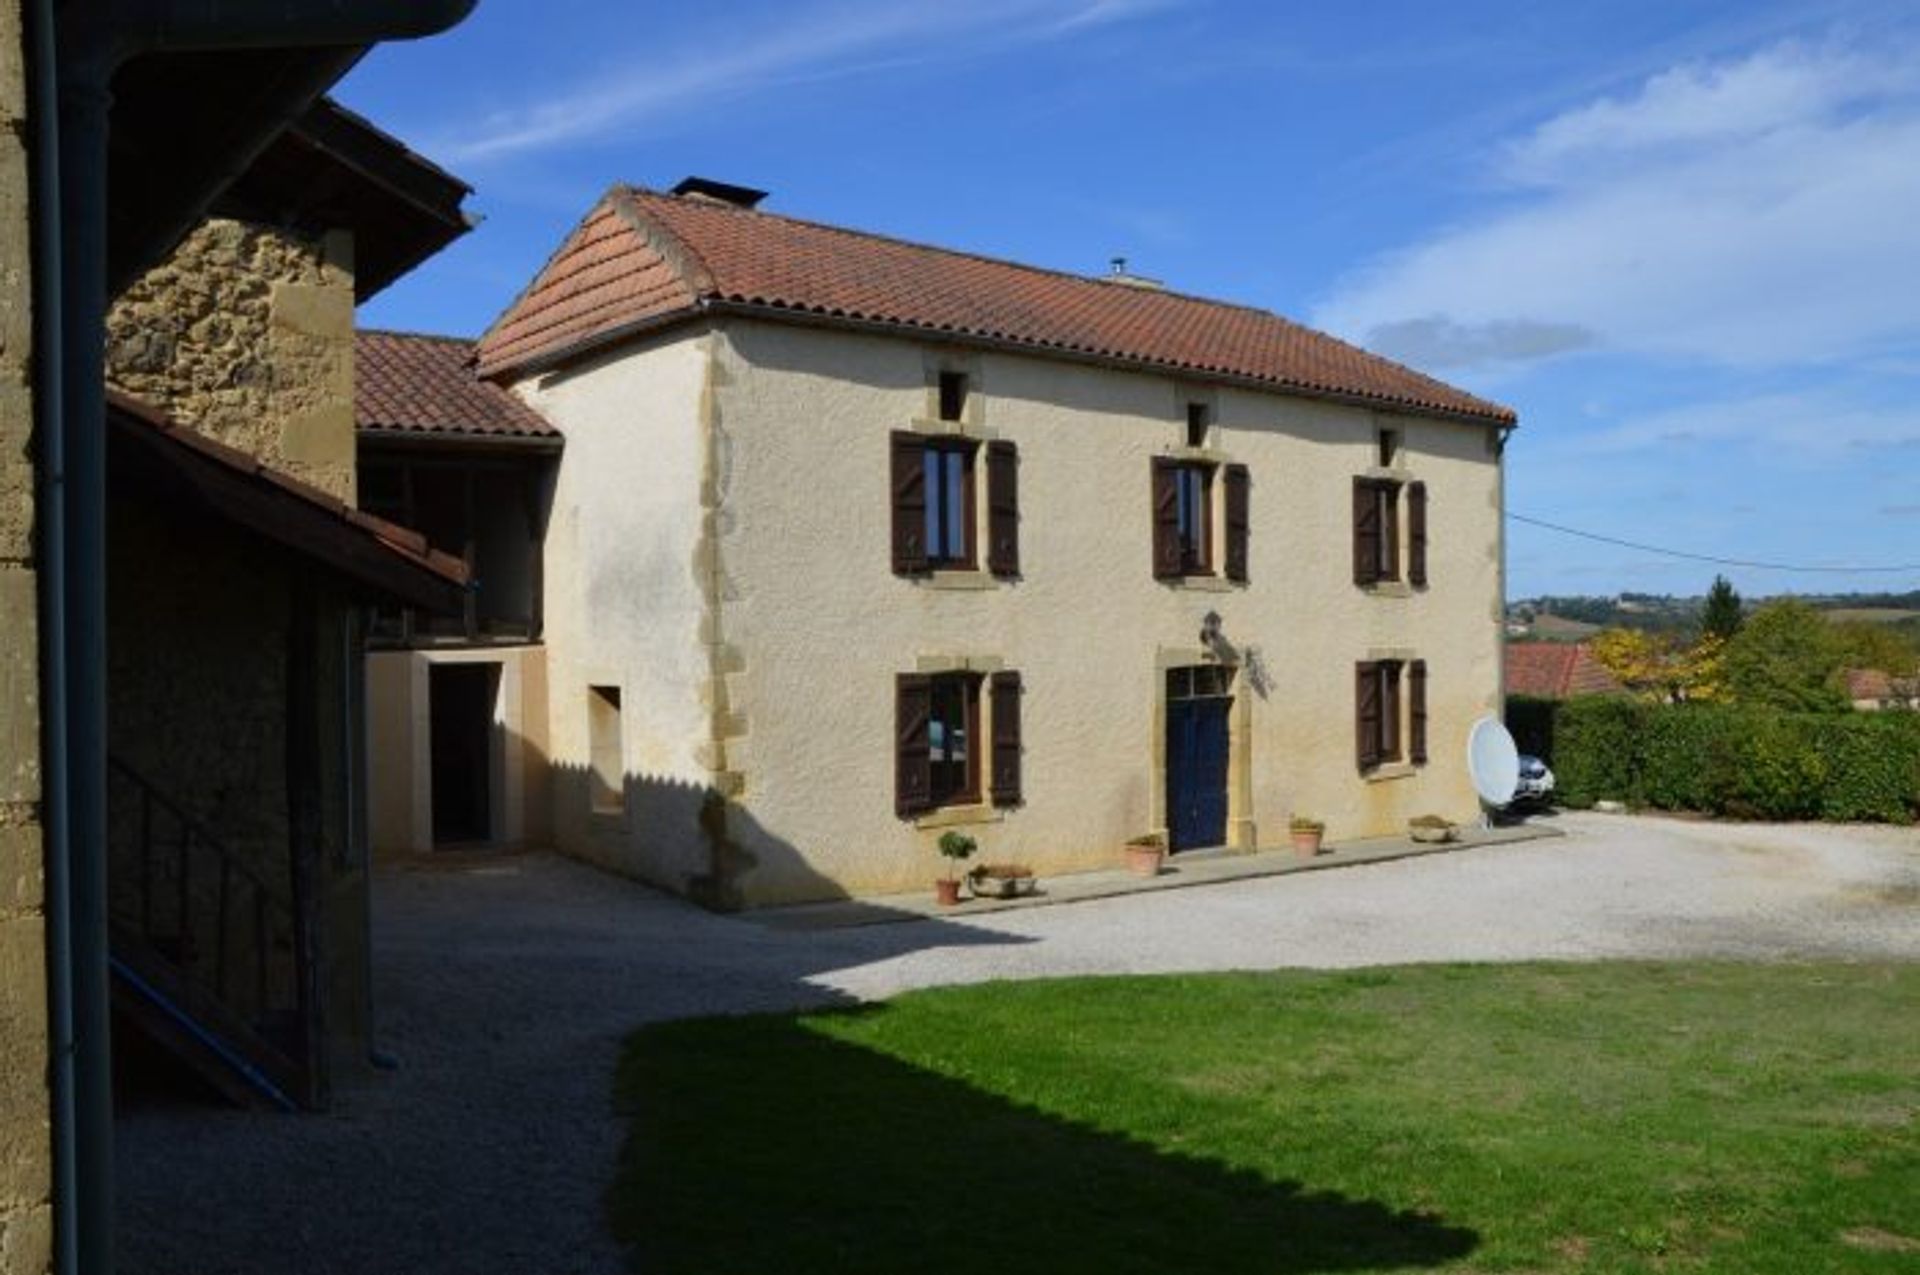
<point>1810,425</point>
<point>1755,211</point>
<point>808,45</point>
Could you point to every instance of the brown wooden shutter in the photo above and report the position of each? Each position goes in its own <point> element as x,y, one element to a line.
<point>1003,508</point>
<point>1417,713</point>
<point>1390,530</point>
<point>909,503</point>
<point>1006,739</point>
<point>1417,535</point>
<point>1366,716</point>
<point>913,768</point>
<point>1166,519</point>
<point>1389,710</point>
<point>1237,481</point>
<point>1366,532</point>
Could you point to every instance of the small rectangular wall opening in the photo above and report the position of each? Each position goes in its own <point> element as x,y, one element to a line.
<point>953,396</point>
<point>1388,442</point>
<point>1199,421</point>
<point>607,784</point>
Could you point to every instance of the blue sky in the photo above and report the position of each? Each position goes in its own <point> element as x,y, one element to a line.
<point>1682,240</point>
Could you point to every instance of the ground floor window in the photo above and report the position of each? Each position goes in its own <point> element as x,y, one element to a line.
<point>1390,712</point>
<point>954,775</point>
<point>943,724</point>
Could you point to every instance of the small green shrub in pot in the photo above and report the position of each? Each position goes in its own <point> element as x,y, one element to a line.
<point>956,846</point>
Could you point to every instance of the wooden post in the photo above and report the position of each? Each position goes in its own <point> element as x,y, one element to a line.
<point>305,839</point>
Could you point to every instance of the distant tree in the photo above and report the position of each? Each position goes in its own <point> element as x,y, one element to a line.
<point>1721,616</point>
<point>1868,644</point>
<point>1659,667</point>
<point>1787,656</point>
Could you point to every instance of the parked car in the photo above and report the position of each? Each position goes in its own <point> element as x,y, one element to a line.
<point>1536,781</point>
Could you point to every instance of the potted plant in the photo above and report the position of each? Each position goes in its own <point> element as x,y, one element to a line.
<point>1001,880</point>
<point>1146,855</point>
<point>954,846</point>
<point>1431,829</point>
<point>1305,834</point>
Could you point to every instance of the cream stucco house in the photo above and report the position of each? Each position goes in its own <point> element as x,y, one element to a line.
<point>853,541</point>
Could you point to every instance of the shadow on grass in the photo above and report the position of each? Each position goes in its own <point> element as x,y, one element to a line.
<point>757,1144</point>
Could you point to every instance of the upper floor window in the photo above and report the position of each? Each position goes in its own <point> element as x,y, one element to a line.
<point>1193,517</point>
<point>947,466</point>
<point>1188,538</point>
<point>489,512</point>
<point>938,520</point>
<point>1377,532</point>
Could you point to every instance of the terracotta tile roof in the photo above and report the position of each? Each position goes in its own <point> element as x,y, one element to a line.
<point>408,383</point>
<point>642,259</point>
<point>1878,684</point>
<point>235,485</point>
<point>1556,670</point>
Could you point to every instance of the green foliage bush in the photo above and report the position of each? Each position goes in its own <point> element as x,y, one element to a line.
<point>1740,761</point>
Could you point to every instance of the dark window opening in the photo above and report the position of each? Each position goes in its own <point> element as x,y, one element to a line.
<point>953,761</point>
<point>1389,447</point>
<point>949,485</point>
<point>1378,709</point>
<point>953,396</point>
<point>1376,531</point>
<point>1199,419</point>
<point>487,513</point>
<point>1194,516</point>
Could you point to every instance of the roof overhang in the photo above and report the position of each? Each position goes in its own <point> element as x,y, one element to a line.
<point>248,133</point>
<point>334,170</point>
<point>380,560</point>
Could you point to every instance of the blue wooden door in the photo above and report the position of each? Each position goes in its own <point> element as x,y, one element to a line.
<point>1197,771</point>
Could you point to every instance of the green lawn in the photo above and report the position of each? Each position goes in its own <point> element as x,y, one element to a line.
<point>1619,1117</point>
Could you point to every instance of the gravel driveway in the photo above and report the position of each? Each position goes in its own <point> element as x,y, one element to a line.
<point>507,985</point>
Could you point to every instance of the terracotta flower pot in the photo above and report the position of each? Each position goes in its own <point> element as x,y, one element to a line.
<point>1307,844</point>
<point>946,893</point>
<point>1146,861</point>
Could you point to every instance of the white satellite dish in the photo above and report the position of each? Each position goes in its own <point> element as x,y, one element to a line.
<point>1493,762</point>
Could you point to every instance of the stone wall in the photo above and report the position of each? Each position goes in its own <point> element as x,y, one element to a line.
<point>25,1213</point>
<point>246,334</point>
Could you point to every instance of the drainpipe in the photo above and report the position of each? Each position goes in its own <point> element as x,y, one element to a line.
<point>92,42</point>
<point>50,554</point>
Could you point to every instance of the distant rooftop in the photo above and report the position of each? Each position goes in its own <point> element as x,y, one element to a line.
<point>408,383</point>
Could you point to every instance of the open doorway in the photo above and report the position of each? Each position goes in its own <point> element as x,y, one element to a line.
<point>461,699</point>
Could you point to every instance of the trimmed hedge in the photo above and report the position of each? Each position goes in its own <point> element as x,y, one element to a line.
<point>1744,762</point>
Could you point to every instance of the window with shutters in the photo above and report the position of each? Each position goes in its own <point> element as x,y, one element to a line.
<point>954,731</point>
<point>1377,532</point>
<point>1191,537</point>
<point>1390,713</point>
<point>939,521</point>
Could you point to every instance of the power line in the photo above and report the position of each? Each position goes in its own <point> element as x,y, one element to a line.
<point>1706,557</point>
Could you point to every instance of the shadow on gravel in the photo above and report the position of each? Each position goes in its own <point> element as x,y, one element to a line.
<point>760,1145</point>
<point>504,989</point>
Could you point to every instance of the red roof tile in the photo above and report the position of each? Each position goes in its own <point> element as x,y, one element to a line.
<point>642,259</point>
<point>411,384</point>
<point>1556,670</point>
<point>390,558</point>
